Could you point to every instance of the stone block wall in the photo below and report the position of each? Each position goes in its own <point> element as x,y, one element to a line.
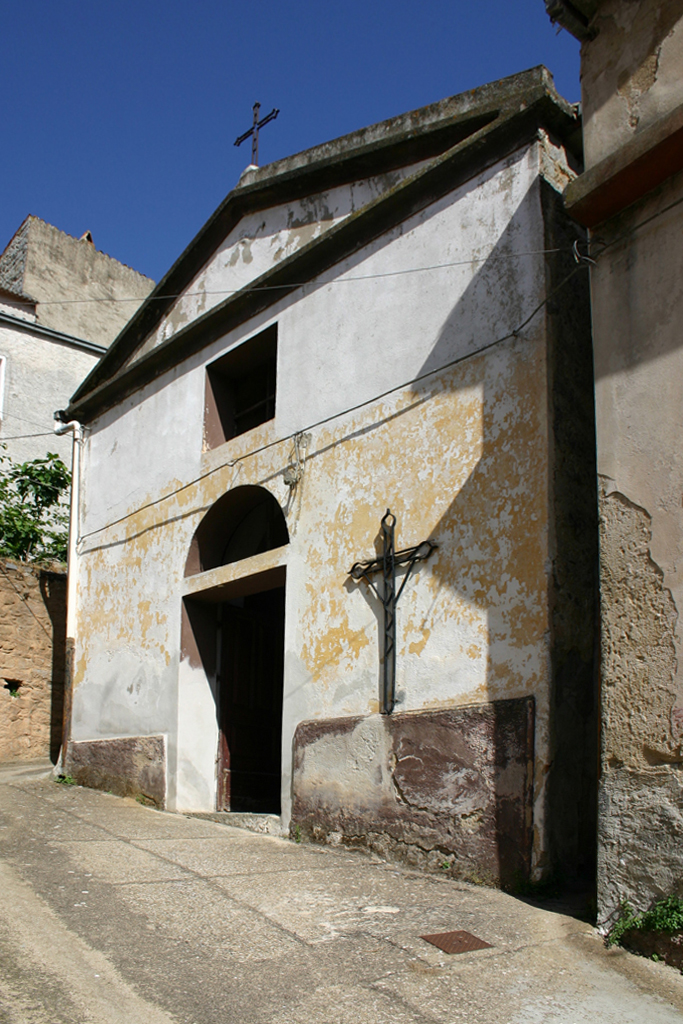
<point>32,658</point>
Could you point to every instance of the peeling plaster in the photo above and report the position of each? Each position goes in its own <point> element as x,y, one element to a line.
<point>263,239</point>
<point>630,73</point>
<point>641,701</point>
<point>461,457</point>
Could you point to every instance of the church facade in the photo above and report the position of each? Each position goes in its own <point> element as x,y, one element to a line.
<point>389,331</point>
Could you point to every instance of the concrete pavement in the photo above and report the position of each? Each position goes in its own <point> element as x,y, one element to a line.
<point>112,912</point>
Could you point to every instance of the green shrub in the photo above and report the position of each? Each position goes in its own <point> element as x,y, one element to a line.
<point>627,919</point>
<point>666,915</point>
<point>33,511</point>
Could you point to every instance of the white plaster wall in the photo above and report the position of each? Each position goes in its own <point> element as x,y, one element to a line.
<point>473,622</point>
<point>144,448</point>
<point>264,238</point>
<point>40,377</point>
<point>330,332</point>
<point>197,742</point>
<point>376,320</point>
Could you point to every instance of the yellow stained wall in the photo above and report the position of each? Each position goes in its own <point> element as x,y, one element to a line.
<point>461,459</point>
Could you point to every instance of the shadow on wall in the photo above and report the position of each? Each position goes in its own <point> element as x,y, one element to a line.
<point>53,591</point>
<point>495,528</point>
<point>637,292</point>
<point>530,495</point>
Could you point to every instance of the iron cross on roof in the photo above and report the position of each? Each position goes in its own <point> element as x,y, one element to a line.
<point>386,564</point>
<point>255,129</point>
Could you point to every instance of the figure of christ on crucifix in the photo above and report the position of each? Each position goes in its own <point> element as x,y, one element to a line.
<point>386,564</point>
<point>254,130</point>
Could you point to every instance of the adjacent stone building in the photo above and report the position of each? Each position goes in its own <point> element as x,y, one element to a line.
<point>381,322</point>
<point>631,198</point>
<point>32,661</point>
<point>62,302</point>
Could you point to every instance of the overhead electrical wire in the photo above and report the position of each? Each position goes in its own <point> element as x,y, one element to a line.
<point>300,284</point>
<point>604,246</point>
<point>22,419</point>
<point>22,437</point>
<point>583,262</point>
<point>334,416</point>
<point>362,277</point>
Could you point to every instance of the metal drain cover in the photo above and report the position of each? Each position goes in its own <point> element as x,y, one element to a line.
<point>456,942</point>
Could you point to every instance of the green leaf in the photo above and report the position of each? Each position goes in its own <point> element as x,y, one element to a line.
<point>33,508</point>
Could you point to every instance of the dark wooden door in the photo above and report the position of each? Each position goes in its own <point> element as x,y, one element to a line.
<point>250,702</point>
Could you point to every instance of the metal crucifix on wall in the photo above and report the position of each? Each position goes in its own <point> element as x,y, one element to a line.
<point>386,564</point>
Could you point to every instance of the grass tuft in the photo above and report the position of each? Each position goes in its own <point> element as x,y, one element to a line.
<point>66,780</point>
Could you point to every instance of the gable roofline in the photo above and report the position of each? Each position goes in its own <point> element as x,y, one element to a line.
<point>18,297</point>
<point>36,329</point>
<point>497,119</point>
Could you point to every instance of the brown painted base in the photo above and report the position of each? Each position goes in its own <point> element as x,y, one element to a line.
<point>448,790</point>
<point>131,766</point>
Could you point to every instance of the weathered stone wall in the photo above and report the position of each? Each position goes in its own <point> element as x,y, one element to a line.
<point>638,649</point>
<point>641,791</point>
<point>630,196</point>
<point>47,264</point>
<point>13,260</point>
<point>637,309</point>
<point>32,643</point>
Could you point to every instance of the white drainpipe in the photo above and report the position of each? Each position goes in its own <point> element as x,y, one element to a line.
<point>77,434</point>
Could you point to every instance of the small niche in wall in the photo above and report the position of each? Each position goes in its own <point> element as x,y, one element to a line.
<point>240,389</point>
<point>12,685</point>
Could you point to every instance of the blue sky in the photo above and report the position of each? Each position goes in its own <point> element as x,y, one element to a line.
<point>120,118</point>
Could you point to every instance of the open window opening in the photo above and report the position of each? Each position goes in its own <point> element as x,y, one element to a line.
<point>240,389</point>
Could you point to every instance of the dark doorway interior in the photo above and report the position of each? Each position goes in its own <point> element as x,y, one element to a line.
<point>249,676</point>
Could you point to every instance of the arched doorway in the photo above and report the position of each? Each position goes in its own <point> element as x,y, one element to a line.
<point>237,631</point>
